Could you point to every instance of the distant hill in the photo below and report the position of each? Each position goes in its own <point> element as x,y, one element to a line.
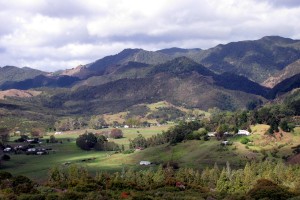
<point>11,73</point>
<point>180,81</point>
<point>101,66</point>
<point>40,81</point>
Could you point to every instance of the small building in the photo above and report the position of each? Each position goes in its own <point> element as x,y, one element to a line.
<point>7,149</point>
<point>145,163</point>
<point>243,132</point>
<point>211,134</point>
<point>225,142</point>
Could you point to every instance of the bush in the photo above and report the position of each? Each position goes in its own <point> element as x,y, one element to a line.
<point>31,197</point>
<point>116,133</point>
<point>5,157</point>
<point>244,140</point>
<point>5,175</point>
<point>266,189</point>
<point>52,197</point>
<point>72,196</point>
<point>22,184</point>
<point>86,141</point>
<point>129,151</point>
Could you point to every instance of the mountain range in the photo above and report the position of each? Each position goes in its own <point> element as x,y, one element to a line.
<point>228,76</point>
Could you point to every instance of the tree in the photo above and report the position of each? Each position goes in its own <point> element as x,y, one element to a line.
<point>52,139</point>
<point>116,133</point>
<point>36,132</point>
<point>4,134</point>
<point>285,126</point>
<point>86,141</point>
<point>139,141</point>
<point>199,133</point>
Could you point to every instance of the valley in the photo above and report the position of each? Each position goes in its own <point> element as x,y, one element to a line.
<point>95,128</point>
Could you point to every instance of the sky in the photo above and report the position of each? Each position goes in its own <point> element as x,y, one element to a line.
<point>59,34</point>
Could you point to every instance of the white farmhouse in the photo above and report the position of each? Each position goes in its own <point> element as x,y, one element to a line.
<point>243,132</point>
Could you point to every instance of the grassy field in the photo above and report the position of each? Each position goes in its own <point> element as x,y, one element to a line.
<point>36,167</point>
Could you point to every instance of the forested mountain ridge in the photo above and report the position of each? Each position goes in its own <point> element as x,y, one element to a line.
<point>226,76</point>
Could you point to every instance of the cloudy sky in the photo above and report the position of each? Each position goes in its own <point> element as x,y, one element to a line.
<point>59,34</point>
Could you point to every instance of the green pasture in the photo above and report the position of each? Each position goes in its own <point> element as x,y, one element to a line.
<point>66,151</point>
<point>196,154</point>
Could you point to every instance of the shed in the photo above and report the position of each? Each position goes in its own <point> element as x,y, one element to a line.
<point>145,163</point>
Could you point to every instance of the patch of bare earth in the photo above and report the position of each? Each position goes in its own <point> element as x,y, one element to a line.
<point>278,137</point>
<point>294,159</point>
<point>18,93</point>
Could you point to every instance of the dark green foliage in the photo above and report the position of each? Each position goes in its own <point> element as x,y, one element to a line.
<point>4,134</point>
<point>166,114</point>
<point>257,180</point>
<point>5,157</point>
<point>71,195</point>
<point>5,175</point>
<point>266,189</point>
<point>139,110</point>
<point>32,197</point>
<point>22,184</point>
<point>138,142</point>
<point>245,140</point>
<point>89,141</point>
<point>52,139</point>
<point>86,141</point>
<point>176,134</point>
<point>285,126</point>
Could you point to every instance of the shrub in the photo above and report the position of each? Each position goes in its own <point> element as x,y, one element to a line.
<point>72,196</point>
<point>31,197</point>
<point>86,141</point>
<point>129,151</point>
<point>5,175</point>
<point>116,133</point>
<point>22,184</point>
<point>5,157</point>
<point>244,140</point>
<point>266,189</point>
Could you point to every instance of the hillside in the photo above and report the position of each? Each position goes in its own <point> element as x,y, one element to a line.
<point>228,78</point>
<point>11,73</point>
<point>40,81</point>
<point>286,73</point>
<point>256,60</point>
<point>18,93</point>
<point>180,81</point>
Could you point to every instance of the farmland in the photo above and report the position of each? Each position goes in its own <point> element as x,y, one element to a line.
<point>197,154</point>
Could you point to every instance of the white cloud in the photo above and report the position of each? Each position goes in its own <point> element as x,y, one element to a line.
<point>55,34</point>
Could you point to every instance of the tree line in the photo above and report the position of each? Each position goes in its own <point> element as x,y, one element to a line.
<point>257,180</point>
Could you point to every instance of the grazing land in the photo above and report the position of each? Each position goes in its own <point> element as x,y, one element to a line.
<point>197,154</point>
<point>66,152</point>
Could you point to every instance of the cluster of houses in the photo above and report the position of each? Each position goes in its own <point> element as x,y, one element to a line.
<point>240,132</point>
<point>27,149</point>
<point>226,142</point>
